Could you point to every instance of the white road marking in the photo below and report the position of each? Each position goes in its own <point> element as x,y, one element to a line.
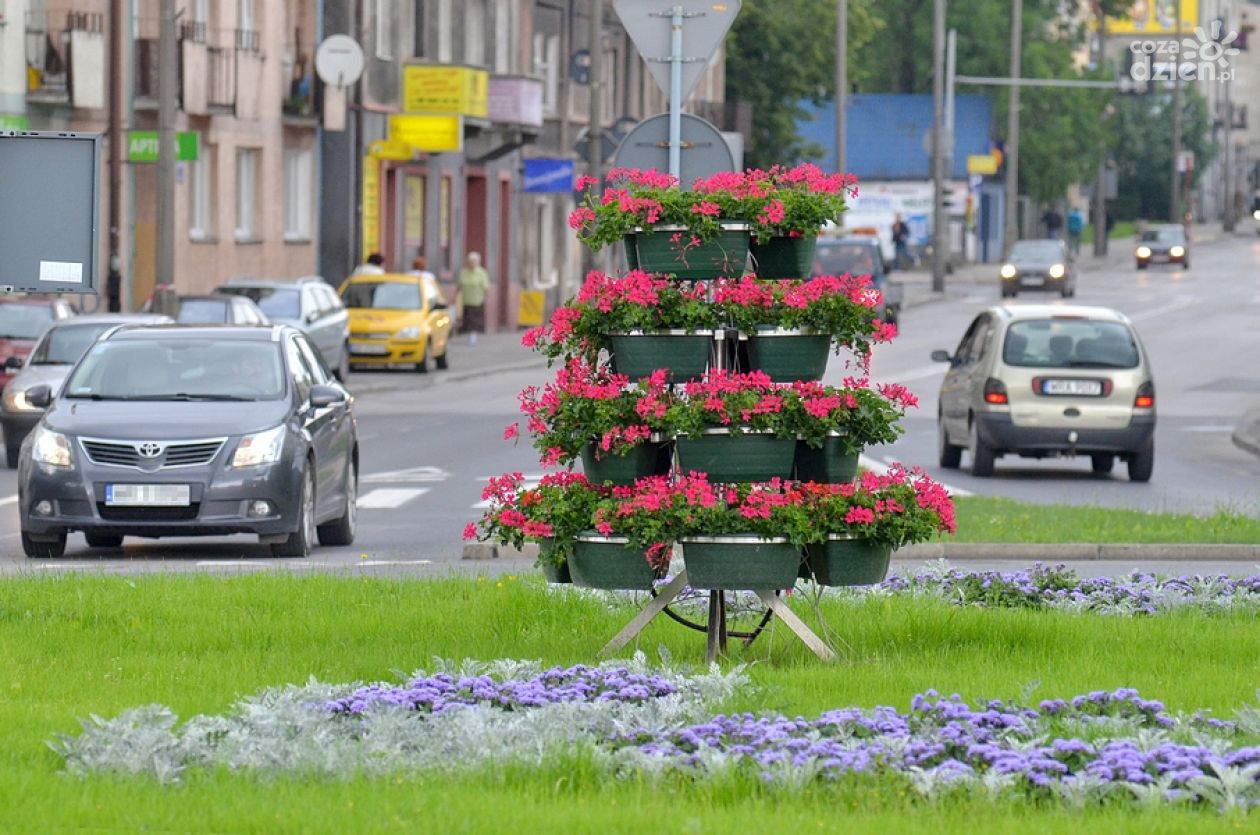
<point>231,564</point>
<point>916,374</point>
<point>410,474</point>
<point>393,562</point>
<point>1180,304</point>
<point>387,498</point>
<point>1208,427</point>
<point>881,467</point>
<point>8,500</point>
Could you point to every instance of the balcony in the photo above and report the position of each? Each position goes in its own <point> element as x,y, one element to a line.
<point>207,67</point>
<point>49,58</point>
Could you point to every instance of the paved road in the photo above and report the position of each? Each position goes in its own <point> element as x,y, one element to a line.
<point>429,442</point>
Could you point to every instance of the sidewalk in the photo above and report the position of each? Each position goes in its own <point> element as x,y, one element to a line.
<point>494,353</point>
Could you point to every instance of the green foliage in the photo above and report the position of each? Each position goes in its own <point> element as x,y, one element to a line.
<point>982,519</point>
<point>553,512</point>
<point>1143,150</point>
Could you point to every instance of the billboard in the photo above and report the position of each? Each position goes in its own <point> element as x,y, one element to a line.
<point>445,89</point>
<point>1155,18</point>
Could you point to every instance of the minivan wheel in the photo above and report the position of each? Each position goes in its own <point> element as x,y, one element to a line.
<point>340,531</point>
<point>1142,463</point>
<point>299,542</point>
<point>44,549</point>
<point>1102,463</point>
<point>982,455</point>
<point>950,455</point>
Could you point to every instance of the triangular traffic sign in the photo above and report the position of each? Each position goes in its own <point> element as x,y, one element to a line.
<point>704,25</point>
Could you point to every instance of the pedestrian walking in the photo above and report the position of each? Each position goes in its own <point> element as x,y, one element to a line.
<point>1075,227</point>
<point>901,241</point>
<point>375,265</point>
<point>470,291</point>
<point>420,267</point>
<point>1053,221</point>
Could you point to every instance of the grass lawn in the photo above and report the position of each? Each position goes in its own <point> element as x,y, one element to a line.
<point>78,645</point>
<point>982,519</point>
<point>1122,229</point>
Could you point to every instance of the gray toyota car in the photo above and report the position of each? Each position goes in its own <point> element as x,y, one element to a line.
<point>192,431</point>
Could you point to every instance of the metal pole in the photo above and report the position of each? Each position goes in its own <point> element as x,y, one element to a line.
<point>1100,185</point>
<point>595,131</point>
<point>1012,128</point>
<point>1227,162</point>
<point>939,254</point>
<point>165,256</point>
<point>675,91</point>
<point>117,59</point>
<point>842,79</point>
<point>1174,208</point>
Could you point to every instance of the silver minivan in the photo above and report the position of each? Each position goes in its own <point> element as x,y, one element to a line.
<point>1045,381</point>
<point>309,304</point>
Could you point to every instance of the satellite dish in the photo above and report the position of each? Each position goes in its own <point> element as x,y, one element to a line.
<point>704,150</point>
<point>339,60</point>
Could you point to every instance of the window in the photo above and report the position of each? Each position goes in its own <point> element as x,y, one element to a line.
<point>475,32</point>
<point>298,185</point>
<point>246,21</point>
<point>608,99</point>
<point>547,65</point>
<point>303,378</point>
<point>201,11</point>
<point>383,51</point>
<point>419,29</point>
<point>503,30</point>
<point>201,195</point>
<point>444,31</point>
<point>315,363</point>
<point>246,193</point>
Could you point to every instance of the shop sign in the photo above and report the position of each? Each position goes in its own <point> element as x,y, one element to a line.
<point>548,175</point>
<point>445,89</point>
<point>433,134</point>
<point>516,101</point>
<point>143,146</point>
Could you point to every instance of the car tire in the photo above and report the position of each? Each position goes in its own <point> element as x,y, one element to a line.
<point>1142,463</point>
<point>343,367</point>
<point>441,361</point>
<point>299,542</point>
<point>949,454</point>
<point>422,366</point>
<point>340,531</point>
<point>103,540</point>
<point>43,549</point>
<point>1102,463</point>
<point>982,455</point>
<point>11,454</point>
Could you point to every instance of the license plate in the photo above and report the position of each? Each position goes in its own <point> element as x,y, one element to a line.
<point>148,495</point>
<point>1033,279</point>
<point>378,350</point>
<point>1087,388</point>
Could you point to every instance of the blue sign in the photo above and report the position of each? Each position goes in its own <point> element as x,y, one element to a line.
<point>548,175</point>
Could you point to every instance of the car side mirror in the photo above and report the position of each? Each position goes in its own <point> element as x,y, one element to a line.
<point>322,396</point>
<point>39,396</point>
<point>941,356</point>
<point>13,364</point>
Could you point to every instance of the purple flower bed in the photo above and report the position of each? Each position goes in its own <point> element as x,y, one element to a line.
<point>436,694</point>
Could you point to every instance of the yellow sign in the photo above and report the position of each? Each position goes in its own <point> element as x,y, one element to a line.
<point>982,164</point>
<point>1154,18</point>
<point>371,207</point>
<point>445,89</point>
<point>529,310</point>
<point>391,149</point>
<point>435,134</point>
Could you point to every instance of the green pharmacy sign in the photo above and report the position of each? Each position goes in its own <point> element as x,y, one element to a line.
<point>142,146</point>
<point>8,122</point>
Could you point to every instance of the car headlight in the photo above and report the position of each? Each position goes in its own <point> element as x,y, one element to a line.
<point>408,333</point>
<point>1009,271</point>
<point>259,448</point>
<point>1144,252</point>
<point>1057,271</point>
<point>51,448</point>
<point>15,401</point>
<point>1256,214</point>
<point>1177,251</point>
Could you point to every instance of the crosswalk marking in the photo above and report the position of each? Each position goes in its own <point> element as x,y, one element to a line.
<point>368,563</point>
<point>881,467</point>
<point>388,498</point>
<point>8,500</point>
<point>407,475</point>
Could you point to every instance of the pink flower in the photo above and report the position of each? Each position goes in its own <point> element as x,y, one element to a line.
<point>585,181</point>
<point>470,531</point>
<point>510,431</point>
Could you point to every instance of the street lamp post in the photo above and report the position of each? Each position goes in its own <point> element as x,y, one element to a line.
<point>1012,127</point>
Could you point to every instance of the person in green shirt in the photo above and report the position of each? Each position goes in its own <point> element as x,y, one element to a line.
<point>470,290</point>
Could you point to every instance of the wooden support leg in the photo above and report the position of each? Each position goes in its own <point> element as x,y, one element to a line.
<point>785,614</point>
<point>664,596</point>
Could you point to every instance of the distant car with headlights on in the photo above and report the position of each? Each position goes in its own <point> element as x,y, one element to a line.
<point>396,319</point>
<point>1042,381</point>
<point>1039,265</point>
<point>174,430</point>
<point>1163,244</point>
<point>54,355</point>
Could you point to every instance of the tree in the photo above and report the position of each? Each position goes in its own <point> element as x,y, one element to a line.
<point>1143,148</point>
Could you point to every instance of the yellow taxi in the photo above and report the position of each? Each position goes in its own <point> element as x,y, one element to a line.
<point>396,319</point>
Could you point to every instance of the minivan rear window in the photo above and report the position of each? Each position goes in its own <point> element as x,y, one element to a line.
<point>1069,343</point>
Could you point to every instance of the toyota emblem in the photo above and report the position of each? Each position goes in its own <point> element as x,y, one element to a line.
<point>149,449</point>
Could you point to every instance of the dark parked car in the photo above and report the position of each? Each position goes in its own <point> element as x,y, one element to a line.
<point>219,310</point>
<point>22,320</point>
<point>860,255</point>
<point>192,431</point>
<point>1039,265</point>
<point>1163,243</point>
<point>48,364</point>
<point>309,304</point>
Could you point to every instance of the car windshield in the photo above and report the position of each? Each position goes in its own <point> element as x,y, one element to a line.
<point>1070,343</point>
<point>178,368</point>
<point>202,312</point>
<point>1036,251</point>
<point>276,302</point>
<point>65,344</point>
<point>1172,235</point>
<point>390,295</point>
<point>838,259</point>
<point>24,321</point>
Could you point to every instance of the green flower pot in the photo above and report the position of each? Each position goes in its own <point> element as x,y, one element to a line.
<point>683,354</point>
<point>608,562</point>
<point>784,256</point>
<point>829,463</point>
<point>647,458</point>
<point>728,456</point>
<point>741,561</point>
<point>655,251</point>
<point>788,355</point>
<point>553,573</point>
<point>848,562</point>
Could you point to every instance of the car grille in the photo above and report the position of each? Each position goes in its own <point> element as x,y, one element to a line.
<point>147,514</point>
<point>127,453</point>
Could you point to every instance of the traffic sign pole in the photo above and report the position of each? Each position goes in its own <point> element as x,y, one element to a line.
<point>675,91</point>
